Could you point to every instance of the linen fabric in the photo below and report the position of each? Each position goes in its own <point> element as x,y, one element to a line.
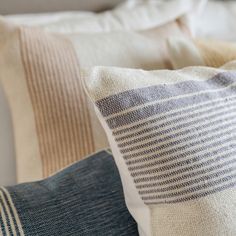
<point>173,137</point>
<point>54,122</point>
<point>189,52</point>
<point>84,199</point>
<point>130,15</point>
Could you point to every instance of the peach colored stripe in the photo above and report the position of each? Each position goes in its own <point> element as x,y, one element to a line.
<point>59,103</point>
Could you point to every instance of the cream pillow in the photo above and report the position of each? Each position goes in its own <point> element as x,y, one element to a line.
<point>193,52</point>
<point>131,15</point>
<point>54,124</point>
<point>173,137</point>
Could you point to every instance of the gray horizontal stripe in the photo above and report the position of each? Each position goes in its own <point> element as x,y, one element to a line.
<point>191,190</point>
<point>194,170</point>
<point>176,136</point>
<point>185,155</point>
<point>187,165</point>
<point>182,177</point>
<point>161,158</point>
<point>179,114</point>
<point>178,123</point>
<point>189,183</point>
<point>194,196</point>
<point>159,108</point>
<point>187,142</point>
<point>131,98</point>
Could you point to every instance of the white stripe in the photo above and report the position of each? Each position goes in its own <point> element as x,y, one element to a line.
<point>233,172</point>
<point>201,125</point>
<point>17,219</point>
<point>4,220</point>
<point>193,193</point>
<point>9,214</point>
<point>197,107</point>
<point>159,183</point>
<point>185,140</point>
<point>180,173</point>
<point>1,233</point>
<point>181,121</point>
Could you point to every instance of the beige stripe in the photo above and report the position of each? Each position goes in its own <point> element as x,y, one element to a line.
<point>8,213</point>
<point>60,107</point>
<point>15,214</point>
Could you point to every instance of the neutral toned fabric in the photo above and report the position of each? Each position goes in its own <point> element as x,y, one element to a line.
<point>187,52</point>
<point>217,20</point>
<point>84,199</point>
<point>173,136</point>
<point>129,16</point>
<point>132,15</point>
<point>54,124</point>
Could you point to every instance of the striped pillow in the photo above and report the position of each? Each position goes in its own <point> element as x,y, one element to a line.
<point>187,52</point>
<point>173,136</point>
<point>54,124</point>
<point>83,199</point>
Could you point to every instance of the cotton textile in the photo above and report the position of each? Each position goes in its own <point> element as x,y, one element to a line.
<point>54,122</point>
<point>84,199</point>
<point>173,138</point>
<point>188,52</point>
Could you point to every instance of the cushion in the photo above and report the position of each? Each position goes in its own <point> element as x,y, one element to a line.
<point>54,123</point>
<point>173,136</point>
<point>131,15</point>
<point>84,199</point>
<point>189,52</point>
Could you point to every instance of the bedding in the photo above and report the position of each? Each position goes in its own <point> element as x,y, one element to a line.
<point>143,15</point>
<point>216,21</point>
<point>187,52</point>
<point>96,204</point>
<point>172,134</point>
<point>54,123</point>
<point>131,15</point>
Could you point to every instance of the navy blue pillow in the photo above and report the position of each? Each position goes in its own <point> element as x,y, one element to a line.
<point>83,199</point>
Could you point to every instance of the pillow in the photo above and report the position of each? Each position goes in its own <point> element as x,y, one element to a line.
<point>131,15</point>
<point>173,136</point>
<point>189,52</point>
<point>84,199</point>
<point>54,124</point>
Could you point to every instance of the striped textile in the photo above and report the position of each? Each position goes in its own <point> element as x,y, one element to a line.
<point>178,140</point>
<point>54,122</point>
<point>62,118</point>
<point>10,223</point>
<point>83,199</point>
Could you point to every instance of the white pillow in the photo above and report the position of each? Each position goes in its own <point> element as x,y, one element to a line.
<point>144,15</point>
<point>173,137</point>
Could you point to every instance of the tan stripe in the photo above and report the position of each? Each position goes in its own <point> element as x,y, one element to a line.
<point>8,213</point>
<point>61,111</point>
<point>15,214</point>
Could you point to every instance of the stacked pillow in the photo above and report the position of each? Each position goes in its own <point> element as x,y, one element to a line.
<point>173,136</point>
<point>83,199</point>
<point>187,52</point>
<point>54,123</point>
